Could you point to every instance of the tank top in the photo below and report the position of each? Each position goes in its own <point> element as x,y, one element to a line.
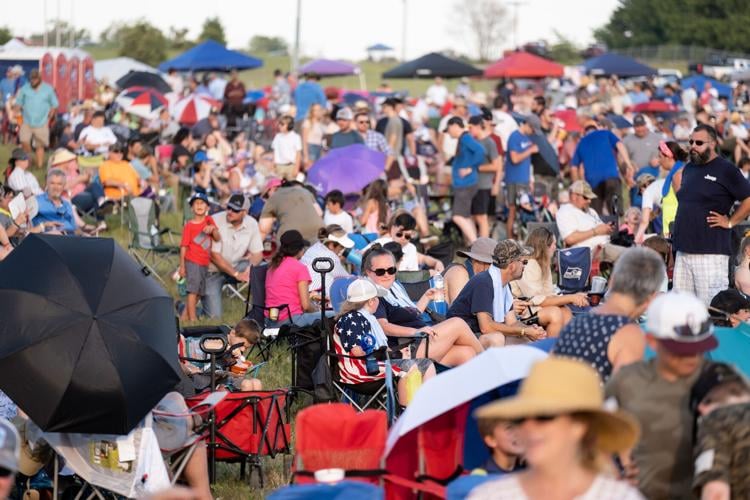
<point>587,337</point>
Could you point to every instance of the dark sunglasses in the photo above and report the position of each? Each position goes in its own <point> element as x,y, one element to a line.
<point>405,234</point>
<point>5,472</point>
<point>697,143</point>
<point>382,272</point>
<point>362,122</point>
<point>536,418</point>
<point>235,210</point>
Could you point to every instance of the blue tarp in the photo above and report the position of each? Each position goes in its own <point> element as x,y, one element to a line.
<point>698,81</point>
<point>615,64</point>
<point>210,56</point>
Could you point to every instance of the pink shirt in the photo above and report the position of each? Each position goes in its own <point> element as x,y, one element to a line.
<point>281,286</point>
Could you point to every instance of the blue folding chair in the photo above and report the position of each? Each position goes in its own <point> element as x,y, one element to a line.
<point>574,266</point>
<point>337,292</point>
<point>361,240</point>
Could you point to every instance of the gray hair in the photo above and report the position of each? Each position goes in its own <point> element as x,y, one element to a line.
<point>56,172</point>
<point>638,273</point>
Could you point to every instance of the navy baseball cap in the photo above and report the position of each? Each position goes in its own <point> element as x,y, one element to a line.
<point>198,196</point>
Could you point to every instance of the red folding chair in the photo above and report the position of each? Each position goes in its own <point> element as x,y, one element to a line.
<point>249,426</point>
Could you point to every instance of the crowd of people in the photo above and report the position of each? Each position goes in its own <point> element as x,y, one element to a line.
<point>655,200</point>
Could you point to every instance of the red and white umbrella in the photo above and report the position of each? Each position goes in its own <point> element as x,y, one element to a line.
<point>141,101</point>
<point>193,108</point>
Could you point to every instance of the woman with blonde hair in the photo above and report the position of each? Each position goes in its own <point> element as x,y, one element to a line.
<point>313,132</point>
<point>570,437</point>
<point>742,271</point>
<point>535,286</point>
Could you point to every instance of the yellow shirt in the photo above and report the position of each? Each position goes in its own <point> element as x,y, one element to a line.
<point>121,172</point>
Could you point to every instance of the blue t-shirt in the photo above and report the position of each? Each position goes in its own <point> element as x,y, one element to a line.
<point>469,153</point>
<point>49,212</point>
<point>597,153</point>
<point>305,95</point>
<point>518,173</point>
<point>715,187</point>
<point>477,296</point>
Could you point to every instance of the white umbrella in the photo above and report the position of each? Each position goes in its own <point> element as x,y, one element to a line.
<point>491,369</point>
<point>114,69</point>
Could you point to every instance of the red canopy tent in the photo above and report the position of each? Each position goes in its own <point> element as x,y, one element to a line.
<point>523,65</point>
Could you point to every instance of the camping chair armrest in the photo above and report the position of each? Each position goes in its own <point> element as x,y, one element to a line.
<point>414,339</point>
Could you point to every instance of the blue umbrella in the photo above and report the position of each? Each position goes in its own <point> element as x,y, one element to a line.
<point>254,95</point>
<point>699,81</point>
<point>619,121</point>
<point>348,169</point>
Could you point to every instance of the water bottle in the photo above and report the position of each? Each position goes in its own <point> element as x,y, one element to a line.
<point>438,301</point>
<point>371,365</point>
<point>182,286</point>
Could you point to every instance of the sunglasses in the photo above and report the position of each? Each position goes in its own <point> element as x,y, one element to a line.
<point>541,419</point>
<point>5,472</point>
<point>405,234</point>
<point>697,143</point>
<point>362,122</point>
<point>382,271</point>
<point>235,210</point>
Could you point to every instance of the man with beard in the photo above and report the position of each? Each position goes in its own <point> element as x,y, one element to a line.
<point>702,230</point>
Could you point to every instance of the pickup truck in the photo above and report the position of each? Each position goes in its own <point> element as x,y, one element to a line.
<point>720,68</point>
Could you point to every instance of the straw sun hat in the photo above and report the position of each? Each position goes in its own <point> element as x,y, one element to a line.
<point>558,386</point>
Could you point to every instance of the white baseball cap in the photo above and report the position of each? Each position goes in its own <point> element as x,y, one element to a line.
<point>681,323</point>
<point>361,290</point>
<point>337,234</point>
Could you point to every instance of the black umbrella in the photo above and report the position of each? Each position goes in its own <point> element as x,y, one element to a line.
<point>432,65</point>
<point>144,79</point>
<point>87,340</point>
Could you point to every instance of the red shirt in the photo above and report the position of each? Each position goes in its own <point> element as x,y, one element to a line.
<point>499,143</point>
<point>234,93</point>
<point>197,242</point>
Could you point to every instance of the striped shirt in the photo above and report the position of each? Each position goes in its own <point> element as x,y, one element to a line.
<point>376,141</point>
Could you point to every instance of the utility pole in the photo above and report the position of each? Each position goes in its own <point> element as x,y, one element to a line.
<point>44,20</point>
<point>58,41</point>
<point>515,4</point>
<point>295,56</point>
<point>403,33</point>
<point>72,35</point>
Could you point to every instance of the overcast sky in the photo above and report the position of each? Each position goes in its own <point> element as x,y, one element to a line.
<point>330,28</point>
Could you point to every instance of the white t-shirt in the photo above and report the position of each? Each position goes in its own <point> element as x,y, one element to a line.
<point>342,218</point>
<point>652,195</point>
<point>571,219</point>
<point>285,147</point>
<point>103,136</point>
<point>21,180</point>
<point>504,126</point>
<point>410,260</point>
<point>508,487</point>
<point>437,94</point>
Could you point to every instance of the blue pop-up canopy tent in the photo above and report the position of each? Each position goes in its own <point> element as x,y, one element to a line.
<point>211,56</point>
<point>699,81</point>
<point>615,64</point>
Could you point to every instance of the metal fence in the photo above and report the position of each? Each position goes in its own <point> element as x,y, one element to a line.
<point>687,53</point>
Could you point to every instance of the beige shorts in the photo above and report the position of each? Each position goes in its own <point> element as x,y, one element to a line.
<point>40,134</point>
<point>285,171</point>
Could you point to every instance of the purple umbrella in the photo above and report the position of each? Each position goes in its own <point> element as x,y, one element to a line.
<point>327,67</point>
<point>348,169</point>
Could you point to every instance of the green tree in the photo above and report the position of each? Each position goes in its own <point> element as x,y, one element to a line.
<point>260,44</point>
<point>719,24</point>
<point>144,42</point>
<point>213,30</point>
<point>5,34</point>
<point>564,50</point>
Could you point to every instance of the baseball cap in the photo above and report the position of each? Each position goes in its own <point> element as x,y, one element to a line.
<point>712,376</point>
<point>681,324</point>
<point>362,289</point>
<point>238,203</point>
<point>507,251</point>
<point>454,120</point>
<point>476,120</point>
<point>200,156</point>
<point>344,114</point>
<point>293,239</point>
<point>198,196</point>
<point>531,119</point>
<point>19,154</point>
<point>10,446</point>
<point>639,121</point>
<point>337,234</point>
<point>273,183</point>
<point>481,250</point>
<point>582,188</point>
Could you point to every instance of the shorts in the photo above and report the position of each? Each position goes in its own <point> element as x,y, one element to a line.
<point>462,197</point>
<point>480,204</point>
<point>514,192</point>
<point>422,364</point>
<point>40,134</point>
<point>285,171</point>
<point>196,278</point>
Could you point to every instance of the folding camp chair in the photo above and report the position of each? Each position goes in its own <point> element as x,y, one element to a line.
<point>412,276</point>
<point>257,310</point>
<point>338,291</point>
<point>574,269</point>
<point>146,245</point>
<point>249,426</point>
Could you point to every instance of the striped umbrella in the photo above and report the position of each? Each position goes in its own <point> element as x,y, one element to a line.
<point>193,108</point>
<point>141,101</point>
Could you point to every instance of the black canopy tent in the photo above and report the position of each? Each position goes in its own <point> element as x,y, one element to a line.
<point>432,65</point>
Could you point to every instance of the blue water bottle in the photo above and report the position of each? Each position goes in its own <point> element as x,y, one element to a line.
<point>438,301</point>
<point>182,286</point>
